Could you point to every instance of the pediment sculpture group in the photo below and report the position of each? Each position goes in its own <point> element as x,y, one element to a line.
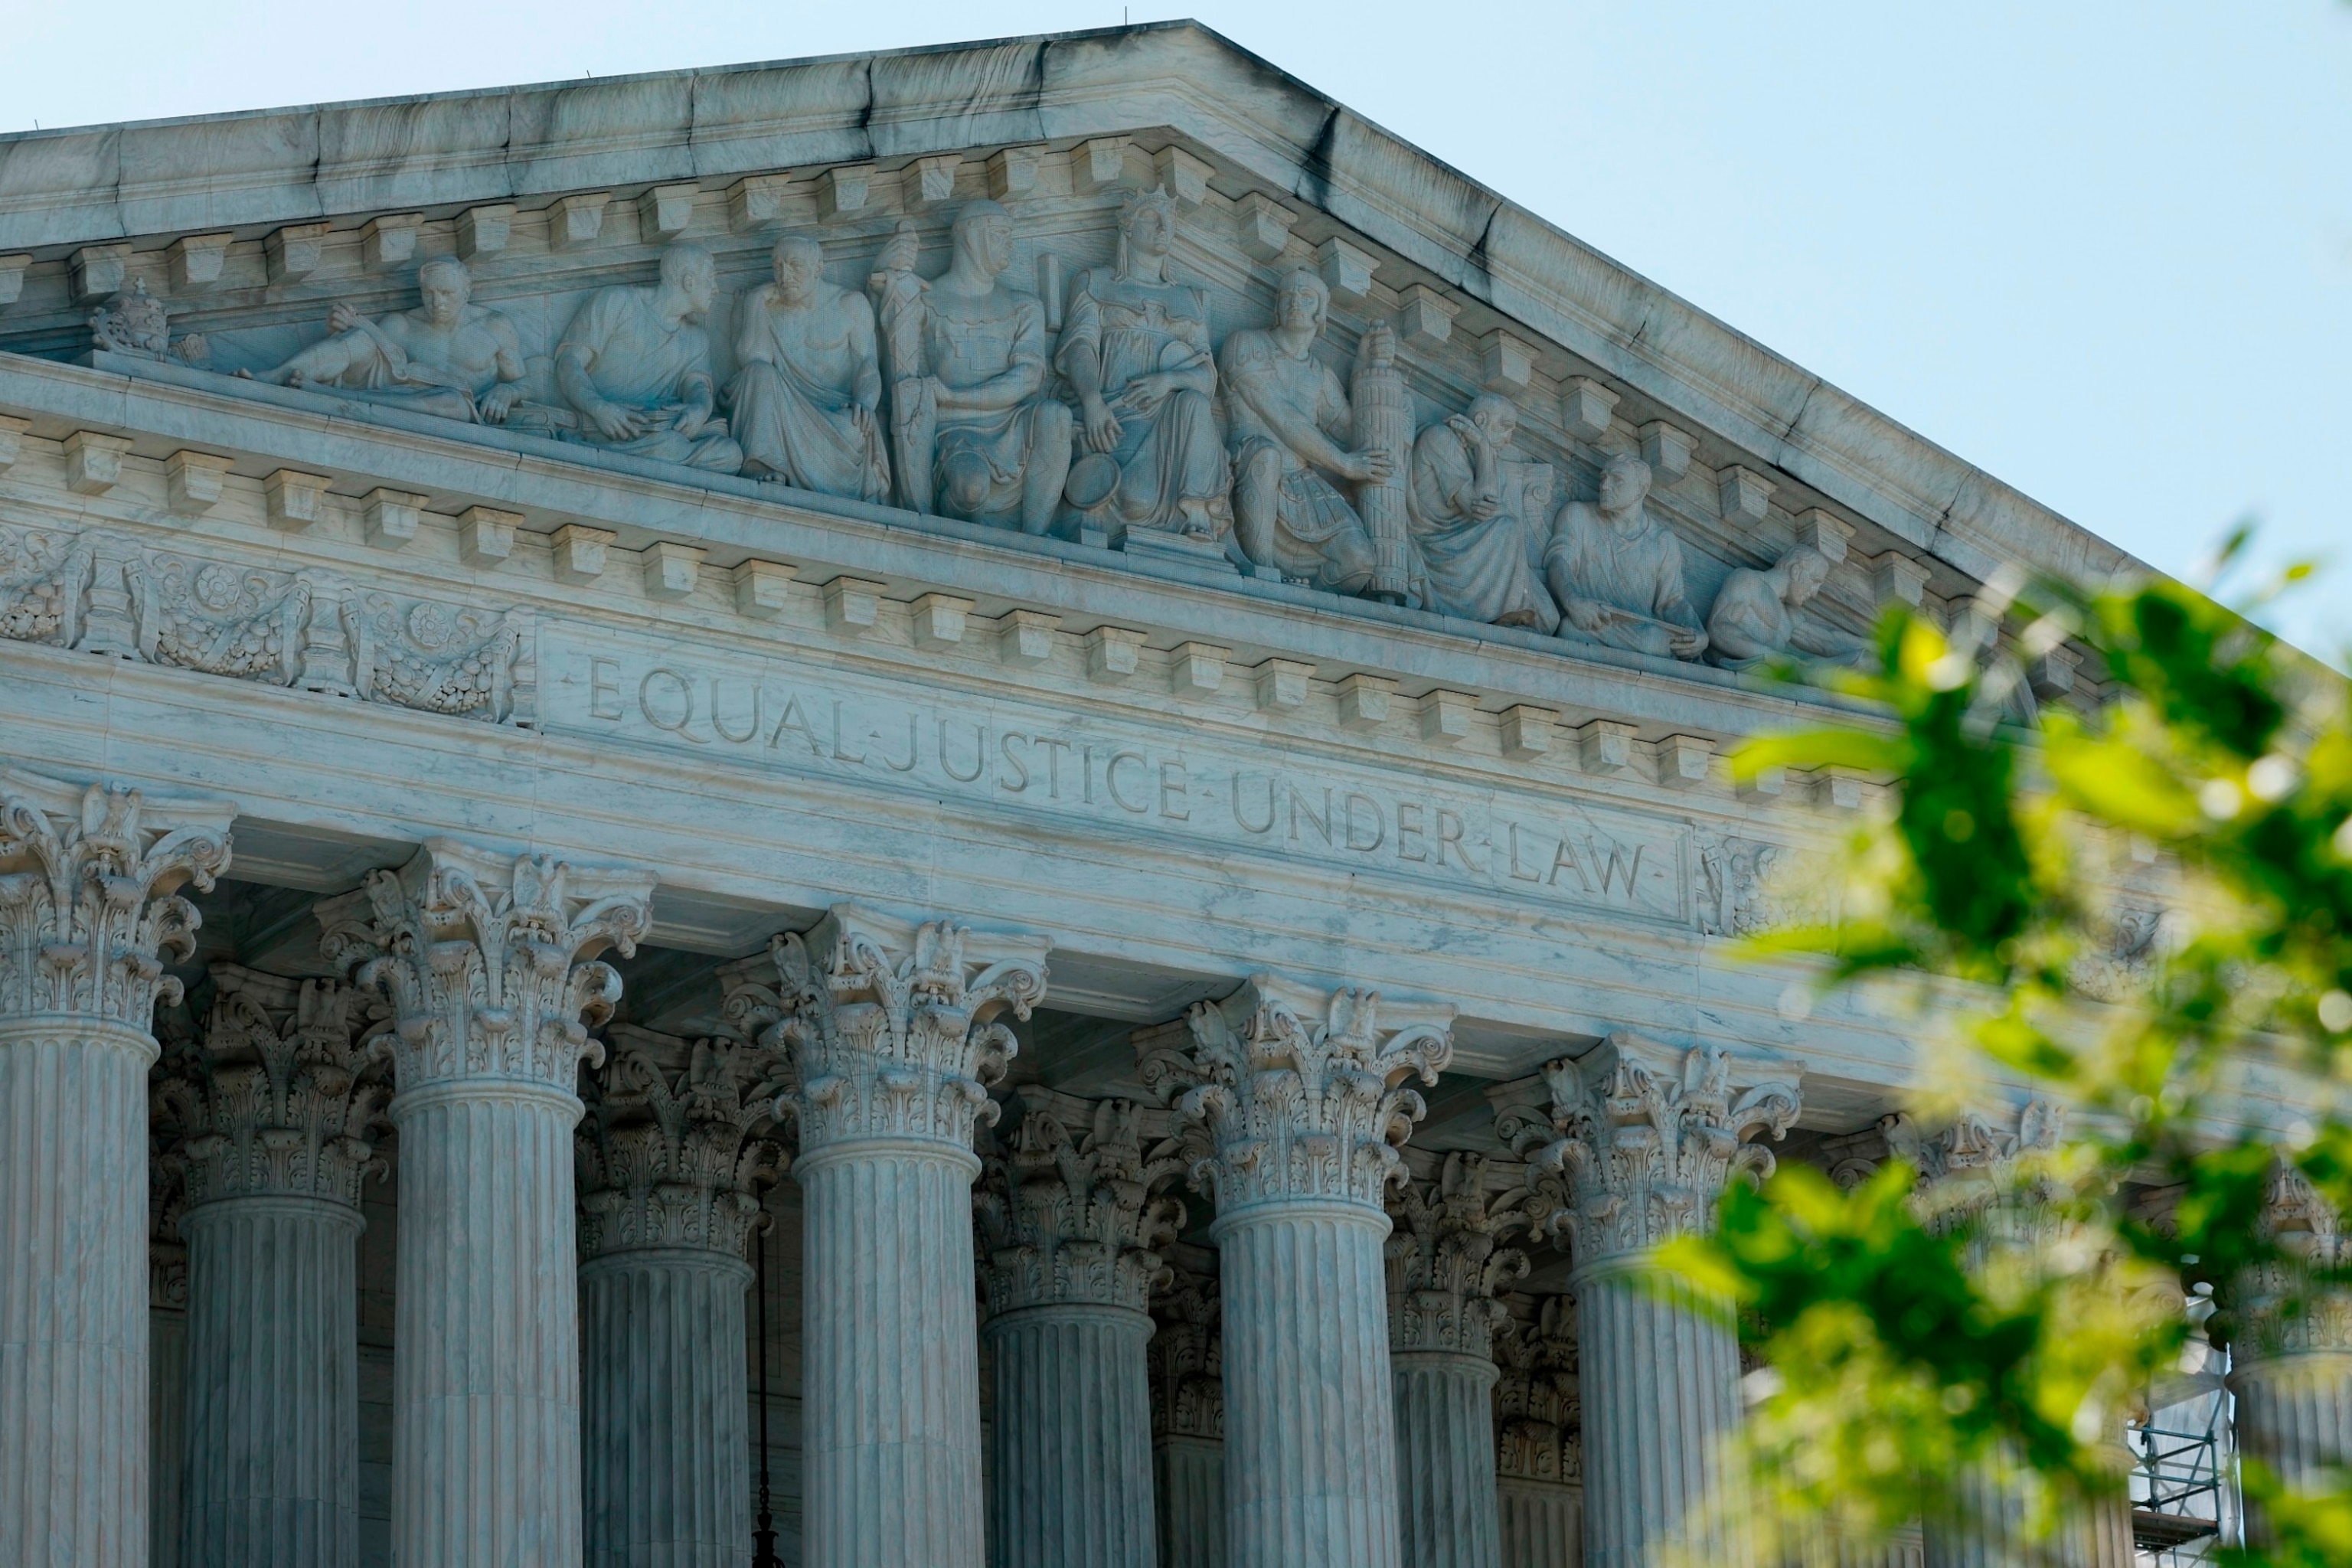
<point>952,396</point>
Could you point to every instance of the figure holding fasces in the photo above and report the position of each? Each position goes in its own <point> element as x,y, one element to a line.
<point>1290,414</point>
<point>1135,348</point>
<point>448,356</point>
<point>634,365</point>
<point>1758,616</point>
<point>976,431</point>
<point>803,404</point>
<point>1473,544</point>
<point>1617,572</point>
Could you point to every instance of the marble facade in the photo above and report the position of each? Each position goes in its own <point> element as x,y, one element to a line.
<point>1053,680</point>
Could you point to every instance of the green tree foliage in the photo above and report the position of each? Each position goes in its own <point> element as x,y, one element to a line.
<point>1922,1346</point>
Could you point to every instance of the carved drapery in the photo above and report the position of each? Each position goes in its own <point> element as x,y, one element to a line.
<point>1282,1093</point>
<point>489,963</point>
<point>1445,1263</point>
<point>669,1153</point>
<point>888,1029</point>
<point>1639,1141</point>
<point>1067,1219</point>
<point>279,1098</point>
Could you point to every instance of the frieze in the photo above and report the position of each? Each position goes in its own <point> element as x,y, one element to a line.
<point>94,592</point>
<point>839,725</point>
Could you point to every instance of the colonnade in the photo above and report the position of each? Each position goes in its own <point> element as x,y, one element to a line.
<point>568,1376</point>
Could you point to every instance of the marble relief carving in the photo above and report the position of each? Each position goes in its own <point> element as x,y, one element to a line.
<point>1445,1261</point>
<point>448,356</point>
<point>95,594</point>
<point>1536,1396</point>
<point>1115,408</point>
<point>669,1151</point>
<point>1065,1218</point>
<point>1187,1351</point>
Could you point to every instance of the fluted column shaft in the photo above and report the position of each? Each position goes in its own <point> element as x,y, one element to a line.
<point>272,1374</point>
<point>73,1292</point>
<point>486,1381</point>
<point>890,1442</point>
<point>1446,1459</point>
<point>1070,1481</point>
<point>1661,1390</point>
<point>1187,1485</point>
<point>1542,1524</point>
<point>664,1414</point>
<point>167,1421</point>
<point>1310,1435</point>
<point>2294,1408</point>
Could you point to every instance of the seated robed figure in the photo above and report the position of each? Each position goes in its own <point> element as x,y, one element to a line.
<point>1472,543</point>
<point>1136,351</point>
<point>975,430</point>
<point>448,356</point>
<point>1290,417</point>
<point>805,403</point>
<point>634,365</point>
<point>1617,572</point>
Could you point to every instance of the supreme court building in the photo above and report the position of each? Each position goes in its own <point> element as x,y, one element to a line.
<point>1051,689</point>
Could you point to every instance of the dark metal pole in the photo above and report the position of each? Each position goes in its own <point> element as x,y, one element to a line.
<point>763,1539</point>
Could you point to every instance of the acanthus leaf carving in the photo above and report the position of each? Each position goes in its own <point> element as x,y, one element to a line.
<point>489,963</point>
<point>1066,1218</point>
<point>1445,1263</point>
<point>1282,1092</point>
<point>1538,1431</point>
<point>1186,1351</point>
<point>278,1097</point>
<point>891,1029</point>
<point>90,907</point>
<point>1639,1140</point>
<point>670,1153</point>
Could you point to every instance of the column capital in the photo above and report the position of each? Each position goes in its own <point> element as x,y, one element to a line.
<point>2277,1308</point>
<point>90,911</point>
<point>1445,1260</point>
<point>1989,1167</point>
<point>891,1029</point>
<point>278,1098</point>
<point>1187,1349</point>
<point>670,1154</point>
<point>1640,1139</point>
<point>489,960</point>
<point>1286,1093</point>
<point>1538,1435</point>
<point>1068,1218</point>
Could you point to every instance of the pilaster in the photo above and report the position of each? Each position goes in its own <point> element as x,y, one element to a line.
<point>276,1108</point>
<point>89,913</point>
<point>1444,1266</point>
<point>491,964</point>
<point>1069,1227</point>
<point>1637,1143</point>
<point>671,1165</point>
<point>1289,1104</point>
<point>890,1032</point>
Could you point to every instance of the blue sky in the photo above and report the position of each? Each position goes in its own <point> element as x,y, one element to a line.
<point>2103,247</point>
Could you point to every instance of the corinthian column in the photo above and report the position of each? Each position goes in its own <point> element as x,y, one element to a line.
<point>1068,1230</point>
<point>490,965</point>
<point>2291,1347</point>
<point>669,1175</point>
<point>89,912</point>
<point>1539,1447</point>
<point>891,1034</point>
<point>1640,1141</point>
<point>1444,1270</point>
<point>1290,1103</point>
<point>276,1112</point>
<point>1187,1358</point>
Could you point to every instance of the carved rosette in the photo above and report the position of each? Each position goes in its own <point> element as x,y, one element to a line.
<point>1187,1351</point>
<point>1066,1220</point>
<point>279,1098</point>
<point>1444,1262</point>
<point>1287,1093</point>
<point>1640,1140</point>
<point>1537,1432</point>
<point>888,1029</point>
<point>88,902</point>
<point>1985,1172</point>
<point>489,963</point>
<point>669,1153</point>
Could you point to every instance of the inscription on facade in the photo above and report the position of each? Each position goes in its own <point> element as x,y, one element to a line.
<point>1256,795</point>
